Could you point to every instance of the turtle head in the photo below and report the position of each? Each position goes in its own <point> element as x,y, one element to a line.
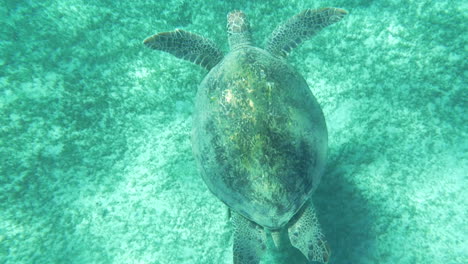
<point>238,29</point>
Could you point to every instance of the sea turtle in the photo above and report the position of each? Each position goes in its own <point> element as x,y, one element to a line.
<point>259,136</point>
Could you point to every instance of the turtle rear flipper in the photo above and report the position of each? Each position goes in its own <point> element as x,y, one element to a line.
<point>249,241</point>
<point>305,234</point>
<point>301,27</point>
<point>187,46</point>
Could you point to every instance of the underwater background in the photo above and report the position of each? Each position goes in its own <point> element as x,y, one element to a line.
<point>95,155</point>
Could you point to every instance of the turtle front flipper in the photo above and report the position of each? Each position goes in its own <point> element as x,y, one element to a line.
<point>249,240</point>
<point>301,27</point>
<point>305,234</point>
<point>187,46</point>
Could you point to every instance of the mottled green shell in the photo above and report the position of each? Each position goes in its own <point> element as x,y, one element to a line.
<point>259,136</point>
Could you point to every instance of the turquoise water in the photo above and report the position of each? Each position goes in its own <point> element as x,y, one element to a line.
<point>95,155</point>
